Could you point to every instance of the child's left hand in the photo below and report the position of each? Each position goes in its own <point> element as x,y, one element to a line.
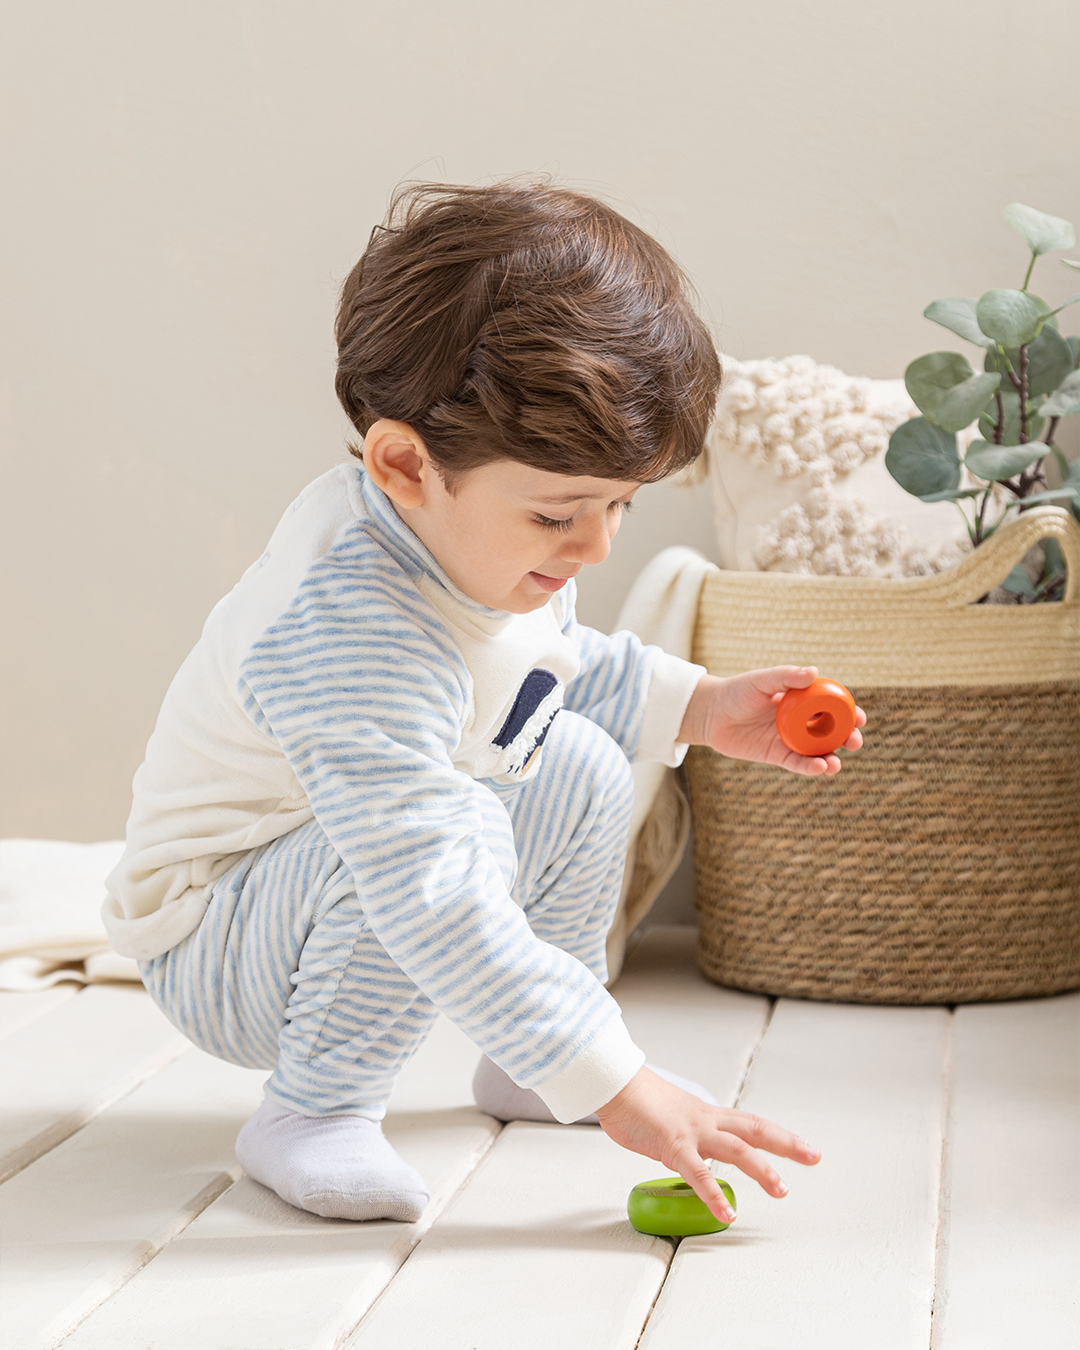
<point>737,717</point>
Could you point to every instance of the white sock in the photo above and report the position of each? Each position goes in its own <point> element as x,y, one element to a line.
<point>341,1167</point>
<point>496,1094</point>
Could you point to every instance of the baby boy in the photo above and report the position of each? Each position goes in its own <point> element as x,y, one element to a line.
<point>392,778</point>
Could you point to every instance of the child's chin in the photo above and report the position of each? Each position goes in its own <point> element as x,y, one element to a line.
<point>524,599</point>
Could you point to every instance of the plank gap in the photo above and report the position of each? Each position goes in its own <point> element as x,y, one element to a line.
<point>64,1324</point>
<point>252,1270</point>
<point>376,1282</point>
<point>46,1140</point>
<point>941,1235</point>
<point>741,1088</point>
<point>852,1246</point>
<point>22,1008</point>
<point>543,1222</point>
<point>674,1246</point>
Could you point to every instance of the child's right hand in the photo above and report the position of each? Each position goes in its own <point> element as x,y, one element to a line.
<point>658,1120</point>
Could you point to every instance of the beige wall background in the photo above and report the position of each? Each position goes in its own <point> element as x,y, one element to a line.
<point>187,182</point>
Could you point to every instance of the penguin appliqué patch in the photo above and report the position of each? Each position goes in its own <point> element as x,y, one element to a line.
<point>527,724</point>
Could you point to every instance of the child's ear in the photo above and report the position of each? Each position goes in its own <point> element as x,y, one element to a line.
<point>397,461</point>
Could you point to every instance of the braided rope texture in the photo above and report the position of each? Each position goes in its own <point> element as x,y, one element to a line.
<point>941,866</point>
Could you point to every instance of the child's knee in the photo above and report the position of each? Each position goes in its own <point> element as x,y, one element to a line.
<point>588,752</point>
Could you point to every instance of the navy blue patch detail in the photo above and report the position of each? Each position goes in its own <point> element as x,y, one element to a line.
<point>534,689</point>
<point>543,735</point>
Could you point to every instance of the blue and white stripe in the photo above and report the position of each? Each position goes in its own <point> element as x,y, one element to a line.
<point>289,968</point>
<point>416,885</point>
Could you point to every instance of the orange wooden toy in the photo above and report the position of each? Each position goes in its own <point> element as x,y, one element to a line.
<point>816,720</point>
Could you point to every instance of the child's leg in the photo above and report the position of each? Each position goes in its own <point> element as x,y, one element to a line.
<point>284,973</point>
<point>571,825</point>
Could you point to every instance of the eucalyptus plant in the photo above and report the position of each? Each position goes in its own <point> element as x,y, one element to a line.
<point>1030,380</point>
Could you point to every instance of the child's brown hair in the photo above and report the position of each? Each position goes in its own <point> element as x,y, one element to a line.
<point>528,322</point>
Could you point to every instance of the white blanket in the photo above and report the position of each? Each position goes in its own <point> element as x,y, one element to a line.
<point>51,890</point>
<point>50,921</point>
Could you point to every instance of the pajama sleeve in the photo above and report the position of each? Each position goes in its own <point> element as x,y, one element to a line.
<point>637,694</point>
<point>366,698</point>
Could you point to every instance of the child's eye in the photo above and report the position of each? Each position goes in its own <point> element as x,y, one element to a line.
<point>549,524</point>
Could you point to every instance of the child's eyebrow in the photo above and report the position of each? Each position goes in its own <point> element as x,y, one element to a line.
<point>566,499</point>
<point>573,497</point>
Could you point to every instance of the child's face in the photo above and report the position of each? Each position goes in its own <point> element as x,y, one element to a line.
<point>510,536</point>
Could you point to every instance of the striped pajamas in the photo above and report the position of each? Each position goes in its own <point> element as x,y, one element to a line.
<point>369,797</point>
<point>285,972</point>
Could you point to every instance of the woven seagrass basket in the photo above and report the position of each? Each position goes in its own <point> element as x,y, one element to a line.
<point>942,865</point>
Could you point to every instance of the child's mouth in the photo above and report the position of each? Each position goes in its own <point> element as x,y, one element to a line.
<point>549,583</point>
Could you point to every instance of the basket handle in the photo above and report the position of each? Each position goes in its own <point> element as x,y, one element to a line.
<point>993,560</point>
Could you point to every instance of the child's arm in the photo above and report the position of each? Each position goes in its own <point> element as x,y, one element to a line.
<point>658,1120</point>
<point>737,717</point>
<point>634,691</point>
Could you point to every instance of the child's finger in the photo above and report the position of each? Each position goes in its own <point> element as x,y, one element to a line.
<point>811,766</point>
<point>761,1133</point>
<point>694,1170</point>
<point>779,679</point>
<point>729,1148</point>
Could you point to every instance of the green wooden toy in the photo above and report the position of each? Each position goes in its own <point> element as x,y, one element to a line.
<point>669,1208</point>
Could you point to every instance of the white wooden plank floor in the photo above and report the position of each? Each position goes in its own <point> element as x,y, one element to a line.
<point>943,1216</point>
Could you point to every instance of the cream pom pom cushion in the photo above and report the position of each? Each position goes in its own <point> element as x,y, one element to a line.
<point>796,461</point>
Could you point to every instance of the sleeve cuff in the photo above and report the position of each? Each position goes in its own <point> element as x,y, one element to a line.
<point>670,689</point>
<point>601,1070</point>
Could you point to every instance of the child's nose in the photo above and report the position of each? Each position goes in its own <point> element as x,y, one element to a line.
<point>590,542</point>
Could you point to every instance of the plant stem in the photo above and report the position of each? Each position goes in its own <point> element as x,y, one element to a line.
<point>999,429</point>
<point>1031,477</point>
<point>1051,429</point>
<point>967,523</point>
<point>976,538</point>
<point>1031,266</point>
<point>1045,589</point>
<point>1006,365</point>
<point>1023,394</point>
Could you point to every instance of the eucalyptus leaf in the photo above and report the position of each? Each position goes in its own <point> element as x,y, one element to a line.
<point>1053,559</point>
<point>947,390</point>
<point>1041,233</point>
<point>997,463</point>
<point>1053,495</point>
<point>960,406</point>
<point>951,495</point>
<point>1071,262</point>
<point>1065,400</point>
<point>1074,347</point>
<point>1011,318</point>
<point>1050,358</point>
<point>1018,582</point>
<point>922,458</point>
<point>1011,432</point>
<point>958,316</point>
